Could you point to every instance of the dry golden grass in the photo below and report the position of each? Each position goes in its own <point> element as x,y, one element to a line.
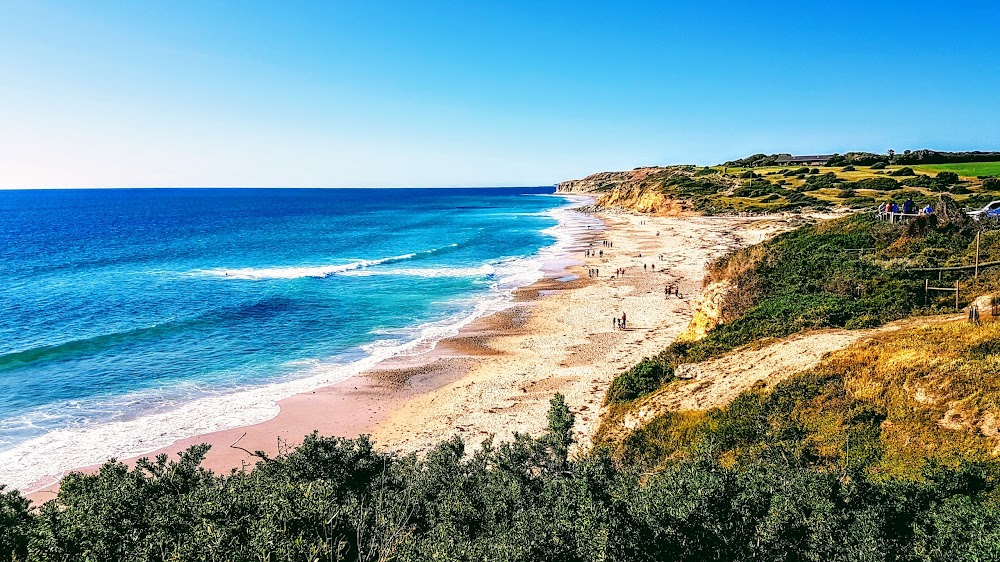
<point>887,404</point>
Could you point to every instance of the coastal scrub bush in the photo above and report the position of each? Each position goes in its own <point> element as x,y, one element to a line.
<point>946,178</point>
<point>920,180</point>
<point>878,166</point>
<point>877,184</point>
<point>847,168</point>
<point>646,376</point>
<point>796,172</point>
<point>827,180</point>
<point>991,184</point>
<point>15,525</point>
<point>767,477</point>
<point>904,171</point>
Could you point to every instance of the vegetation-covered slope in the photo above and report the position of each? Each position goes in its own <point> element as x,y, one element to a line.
<point>739,188</point>
<point>849,272</point>
<point>888,406</point>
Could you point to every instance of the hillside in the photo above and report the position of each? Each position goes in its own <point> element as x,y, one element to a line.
<point>772,313</point>
<point>751,186</point>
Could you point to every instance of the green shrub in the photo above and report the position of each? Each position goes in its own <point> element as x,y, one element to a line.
<point>826,180</point>
<point>920,180</point>
<point>878,166</point>
<point>645,377</point>
<point>946,178</point>
<point>847,168</point>
<point>877,184</point>
<point>904,171</point>
<point>15,525</point>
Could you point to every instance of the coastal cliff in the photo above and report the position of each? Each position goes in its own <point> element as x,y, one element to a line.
<point>606,181</point>
<point>640,190</point>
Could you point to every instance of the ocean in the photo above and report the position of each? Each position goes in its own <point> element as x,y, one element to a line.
<point>132,318</point>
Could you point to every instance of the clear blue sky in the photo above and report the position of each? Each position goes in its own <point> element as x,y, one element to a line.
<point>371,93</point>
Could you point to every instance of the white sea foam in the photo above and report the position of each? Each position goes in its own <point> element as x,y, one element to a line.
<point>43,460</point>
<point>481,271</point>
<point>295,272</point>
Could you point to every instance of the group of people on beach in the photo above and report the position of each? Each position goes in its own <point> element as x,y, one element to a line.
<point>608,244</point>
<point>593,253</point>
<point>619,323</point>
<point>594,272</point>
<point>671,290</point>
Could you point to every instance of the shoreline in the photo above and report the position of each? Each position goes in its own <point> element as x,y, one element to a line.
<point>497,374</point>
<point>195,420</point>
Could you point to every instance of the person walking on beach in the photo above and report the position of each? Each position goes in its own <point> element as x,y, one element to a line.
<point>623,321</point>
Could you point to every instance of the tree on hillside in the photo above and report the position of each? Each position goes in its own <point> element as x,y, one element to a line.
<point>560,434</point>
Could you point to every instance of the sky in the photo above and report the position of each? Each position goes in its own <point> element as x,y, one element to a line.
<point>419,93</point>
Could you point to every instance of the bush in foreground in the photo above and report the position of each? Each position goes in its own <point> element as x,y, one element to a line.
<point>338,499</point>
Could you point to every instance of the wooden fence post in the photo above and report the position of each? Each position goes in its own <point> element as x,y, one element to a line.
<point>956,295</point>
<point>978,236</point>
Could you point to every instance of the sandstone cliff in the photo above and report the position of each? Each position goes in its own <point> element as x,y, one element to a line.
<point>605,181</point>
<point>640,190</point>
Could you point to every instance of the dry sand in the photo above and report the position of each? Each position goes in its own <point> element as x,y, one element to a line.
<point>568,343</point>
<point>498,375</point>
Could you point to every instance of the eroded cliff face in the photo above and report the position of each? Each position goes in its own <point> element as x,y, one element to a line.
<point>707,311</point>
<point>639,190</point>
<point>642,200</point>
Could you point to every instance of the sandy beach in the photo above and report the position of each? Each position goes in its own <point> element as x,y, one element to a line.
<point>497,376</point>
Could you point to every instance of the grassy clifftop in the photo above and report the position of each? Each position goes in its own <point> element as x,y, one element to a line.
<point>763,189</point>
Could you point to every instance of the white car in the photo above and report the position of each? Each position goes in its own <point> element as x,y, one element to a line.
<point>991,210</point>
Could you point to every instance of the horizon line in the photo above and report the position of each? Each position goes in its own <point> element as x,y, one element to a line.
<point>99,188</point>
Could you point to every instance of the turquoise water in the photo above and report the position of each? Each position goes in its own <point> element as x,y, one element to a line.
<point>121,304</point>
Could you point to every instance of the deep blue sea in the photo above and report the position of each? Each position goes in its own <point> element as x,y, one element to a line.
<point>122,306</point>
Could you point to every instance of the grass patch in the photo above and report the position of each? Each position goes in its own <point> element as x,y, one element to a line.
<point>967,170</point>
